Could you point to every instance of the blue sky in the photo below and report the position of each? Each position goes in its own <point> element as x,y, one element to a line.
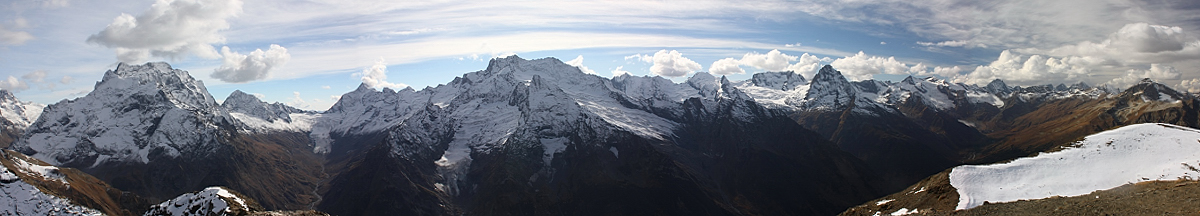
<point>306,53</point>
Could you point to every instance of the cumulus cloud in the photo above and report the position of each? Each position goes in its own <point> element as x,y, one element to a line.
<point>578,62</point>
<point>672,64</point>
<point>238,68</point>
<point>771,61</point>
<point>37,76</point>
<point>726,66</point>
<point>1156,72</point>
<point>1192,85</point>
<point>14,85</point>
<point>170,29</point>
<point>376,76</point>
<point>807,65</point>
<point>619,71</point>
<point>1030,70</point>
<point>862,66</point>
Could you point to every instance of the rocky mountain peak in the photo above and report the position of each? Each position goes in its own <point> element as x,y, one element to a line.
<point>6,96</point>
<point>241,102</point>
<point>1149,90</point>
<point>998,87</point>
<point>785,81</point>
<point>151,78</point>
<point>829,90</point>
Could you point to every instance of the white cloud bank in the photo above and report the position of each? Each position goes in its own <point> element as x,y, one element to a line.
<point>169,29</point>
<point>672,64</point>
<point>774,60</point>
<point>239,68</point>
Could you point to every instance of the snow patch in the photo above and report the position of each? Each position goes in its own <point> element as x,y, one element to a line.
<point>553,146</point>
<point>613,149</point>
<point>886,201</point>
<point>904,211</point>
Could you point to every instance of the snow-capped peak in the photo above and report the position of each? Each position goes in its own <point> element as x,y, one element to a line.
<point>20,113</point>
<point>257,115</point>
<point>178,87</point>
<point>1148,90</point>
<point>137,112</point>
<point>829,90</point>
<point>998,87</point>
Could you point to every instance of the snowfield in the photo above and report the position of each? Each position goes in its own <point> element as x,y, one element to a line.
<point>210,201</point>
<point>1130,154</point>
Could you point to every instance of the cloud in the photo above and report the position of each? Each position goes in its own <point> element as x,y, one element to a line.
<point>1030,70</point>
<point>771,61</point>
<point>13,37</point>
<point>618,72</point>
<point>955,43</point>
<point>726,66</point>
<point>807,65</point>
<point>1136,43</point>
<point>376,76</point>
<point>298,102</point>
<point>335,97</point>
<point>1004,24</point>
<point>37,76</point>
<point>325,87</point>
<point>640,57</point>
<point>578,62</point>
<point>792,45</point>
<point>672,64</point>
<point>862,66</point>
<point>66,80</point>
<point>261,96</point>
<point>947,72</point>
<point>882,43</point>
<point>55,3</point>
<point>1156,72</point>
<point>170,29</point>
<point>238,68</point>
<point>13,85</point>
<point>1192,85</point>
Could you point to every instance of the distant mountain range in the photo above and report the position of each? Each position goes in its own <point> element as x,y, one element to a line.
<point>540,137</point>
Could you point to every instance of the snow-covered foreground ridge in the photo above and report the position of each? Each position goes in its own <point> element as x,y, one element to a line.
<point>210,201</point>
<point>1134,153</point>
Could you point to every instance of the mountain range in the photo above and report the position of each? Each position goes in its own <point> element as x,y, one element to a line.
<point>540,137</point>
